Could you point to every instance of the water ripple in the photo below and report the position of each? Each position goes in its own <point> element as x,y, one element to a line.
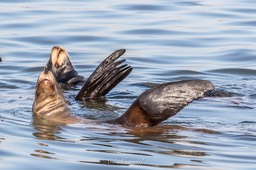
<point>165,41</point>
<point>143,7</point>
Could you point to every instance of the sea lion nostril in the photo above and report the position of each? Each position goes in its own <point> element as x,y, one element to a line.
<point>46,71</point>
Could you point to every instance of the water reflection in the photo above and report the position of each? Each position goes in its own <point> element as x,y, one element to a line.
<point>145,144</point>
<point>122,146</point>
<point>47,130</point>
<point>43,154</point>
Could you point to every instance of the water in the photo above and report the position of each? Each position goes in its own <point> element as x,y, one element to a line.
<point>165,41</point>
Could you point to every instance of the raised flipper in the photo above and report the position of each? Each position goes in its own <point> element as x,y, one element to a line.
<point>159,103</point>
<point>105,77</point>
<point>61,67</point>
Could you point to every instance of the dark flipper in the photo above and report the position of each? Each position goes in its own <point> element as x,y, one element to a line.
<point>105,77</point>
<point>158,104</point>
<point>61,67</point>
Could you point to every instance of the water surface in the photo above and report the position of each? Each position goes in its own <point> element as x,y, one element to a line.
<point>165,41</point>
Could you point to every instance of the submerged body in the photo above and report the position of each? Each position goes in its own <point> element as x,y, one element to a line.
<point>149,109</point>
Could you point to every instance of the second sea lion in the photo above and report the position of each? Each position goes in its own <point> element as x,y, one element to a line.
<point>149,109</point>
<point>61,67</point>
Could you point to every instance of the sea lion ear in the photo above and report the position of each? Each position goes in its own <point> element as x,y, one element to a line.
<point>105,77</point>
<point>158,104</point>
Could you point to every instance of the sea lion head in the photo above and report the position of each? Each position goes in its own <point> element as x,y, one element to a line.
<point>49,102</point>
<point>61,67</point>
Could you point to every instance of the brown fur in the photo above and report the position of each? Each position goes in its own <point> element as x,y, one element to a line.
<point>135,116</point>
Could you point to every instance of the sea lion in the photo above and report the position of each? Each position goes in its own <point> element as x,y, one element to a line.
<point>151,108</point>
<point>50,103</point>
<point>105,77</point>
<point>0,59</point>
<point>61,67</point>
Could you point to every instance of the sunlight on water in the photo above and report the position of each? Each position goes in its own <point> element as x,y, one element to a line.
<point>165,41</point>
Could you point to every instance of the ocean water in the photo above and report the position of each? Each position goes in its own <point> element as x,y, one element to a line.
<point>165,41</point>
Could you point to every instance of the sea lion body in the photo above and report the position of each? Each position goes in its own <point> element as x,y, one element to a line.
<point>149,109</point>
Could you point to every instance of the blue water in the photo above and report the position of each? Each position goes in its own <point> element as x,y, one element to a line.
<point>165,41</point>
